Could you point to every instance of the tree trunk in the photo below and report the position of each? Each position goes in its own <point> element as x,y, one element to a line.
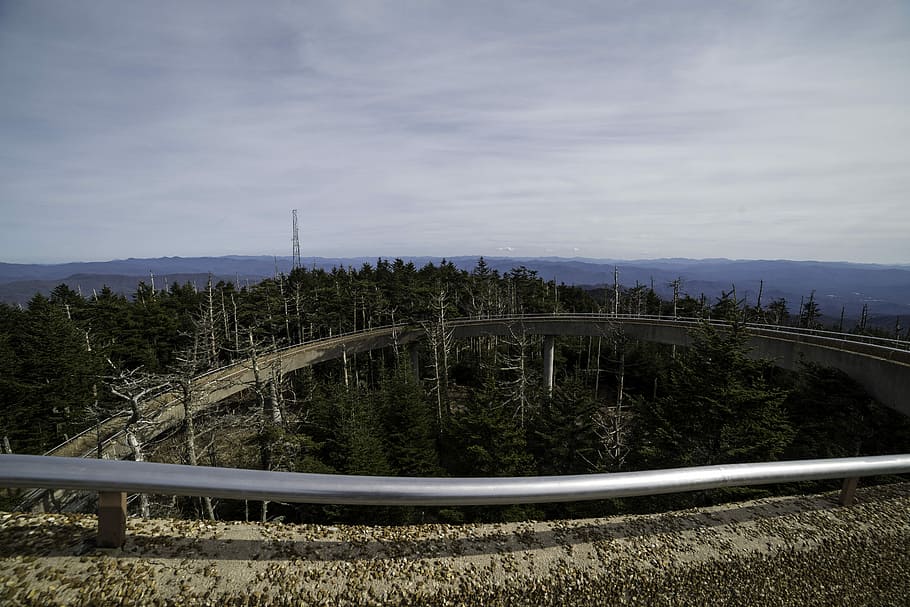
<point>210,326</point>
<point>136,449</point>
<point>618,429</point>
<point>191,445</point>
<point>597,368</point>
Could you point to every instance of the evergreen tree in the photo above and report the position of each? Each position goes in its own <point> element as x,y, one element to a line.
<point>407,426</point>
<point>727,307</point>
<point>55,374</point>
<point>486,438</point>
<point>365,451</point>
<point>810,313</point>
<point>720,407</point>
<point>778,312</point>
<point>563,437</point>
<point>14,391</point>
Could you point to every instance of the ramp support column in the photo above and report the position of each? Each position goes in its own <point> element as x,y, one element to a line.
<point>414,353</point>
<point>549,347</point>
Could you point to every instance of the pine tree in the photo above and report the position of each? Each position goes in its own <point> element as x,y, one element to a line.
<point>408,429</point>
<point>486,438</point>
<point>563,436</point>
<point>360,430</point>
<point>55,375</point>
<point>720,407</point>
<point>14,392</point>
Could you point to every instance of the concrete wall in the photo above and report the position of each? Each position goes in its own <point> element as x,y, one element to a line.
<point>884,372</point>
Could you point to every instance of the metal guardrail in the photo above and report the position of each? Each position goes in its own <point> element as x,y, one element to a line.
<point>114,478</point>
<point>234,483</point>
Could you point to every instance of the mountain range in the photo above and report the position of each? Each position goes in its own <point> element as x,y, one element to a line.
<point>837,285</point>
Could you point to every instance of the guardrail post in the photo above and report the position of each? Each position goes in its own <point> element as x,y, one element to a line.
<point>848,491</point>
<point>111,519</point>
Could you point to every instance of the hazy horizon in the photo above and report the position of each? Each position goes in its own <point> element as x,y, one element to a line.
<point>287,257</point>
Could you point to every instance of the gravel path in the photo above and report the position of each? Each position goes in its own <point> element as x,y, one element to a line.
<point>777,551</point>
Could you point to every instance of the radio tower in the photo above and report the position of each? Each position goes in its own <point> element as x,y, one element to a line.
<point>296,254</point>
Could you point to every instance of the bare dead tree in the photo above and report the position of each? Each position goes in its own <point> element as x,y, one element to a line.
<point>134,386</point>
<point>597,365</point>
<point>611,422</point>
<point>612,332</point>
<point>676,284</point>
<point>440,340</point>
<point>236,325</point>
<point>298,310</point>
<point>287,314</point>
<point>485,299</point>
<point>615,290</point>
<point>98,412</point>
<point>209,323</point>
<point>265,364</point>
<point>517,363</point>
<point>189,365</point>
<point>224,316</point>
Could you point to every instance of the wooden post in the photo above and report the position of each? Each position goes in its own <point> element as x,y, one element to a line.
<point>111,519</point>
<point>848,491</point>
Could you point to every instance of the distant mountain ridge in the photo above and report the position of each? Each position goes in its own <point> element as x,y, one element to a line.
<point>885,288</point>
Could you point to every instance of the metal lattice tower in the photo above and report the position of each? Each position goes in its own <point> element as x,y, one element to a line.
<point>296,252</point>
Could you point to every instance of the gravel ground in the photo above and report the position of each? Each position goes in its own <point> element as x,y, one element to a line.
<point>778,551</point>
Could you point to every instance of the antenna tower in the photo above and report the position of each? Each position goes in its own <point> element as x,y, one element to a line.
<point>296,252</point>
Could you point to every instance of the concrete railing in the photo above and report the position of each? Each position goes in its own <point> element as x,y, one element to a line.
<point>113,479</point>
<point>834,337</point>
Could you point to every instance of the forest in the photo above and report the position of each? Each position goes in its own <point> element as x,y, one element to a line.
<point>478,408</point>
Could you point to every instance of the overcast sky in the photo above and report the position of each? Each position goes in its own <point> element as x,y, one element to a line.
<point>593,129</point>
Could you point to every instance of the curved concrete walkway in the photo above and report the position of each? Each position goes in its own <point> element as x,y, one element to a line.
<point>882,368</point>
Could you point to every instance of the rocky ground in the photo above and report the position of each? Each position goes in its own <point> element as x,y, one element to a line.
<point>776,551</point>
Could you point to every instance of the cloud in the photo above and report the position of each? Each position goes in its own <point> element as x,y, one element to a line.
<point>443,128</point>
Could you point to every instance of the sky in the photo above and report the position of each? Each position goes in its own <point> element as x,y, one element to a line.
<point>602,129</point>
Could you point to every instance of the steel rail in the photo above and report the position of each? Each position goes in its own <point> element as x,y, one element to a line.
<point>116,476</point>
